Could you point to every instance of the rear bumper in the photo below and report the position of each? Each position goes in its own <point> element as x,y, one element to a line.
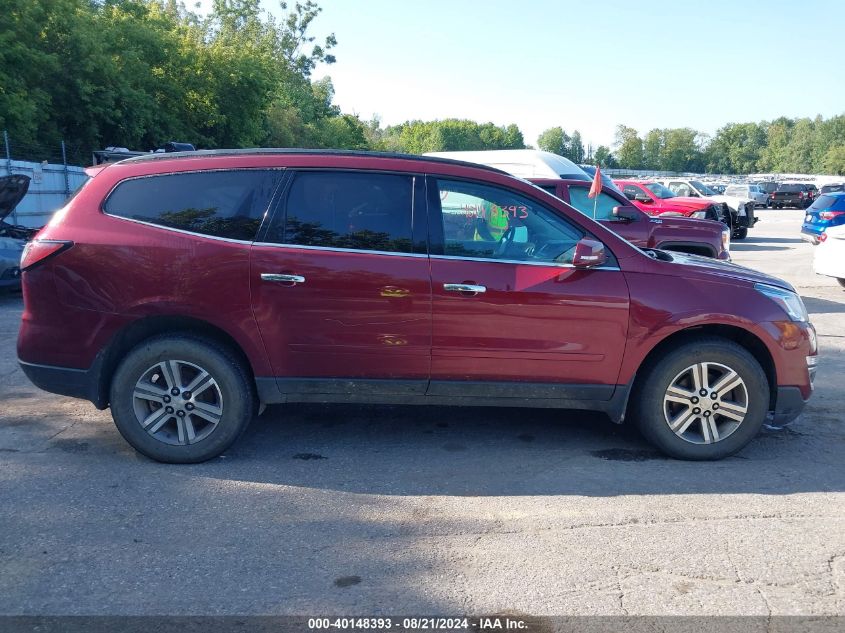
<point>811,234</point>
<point>66,381</point>
<point>789,405</point>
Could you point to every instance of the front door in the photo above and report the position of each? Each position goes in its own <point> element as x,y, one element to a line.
<point>508,307</point>
<point>340,291</point>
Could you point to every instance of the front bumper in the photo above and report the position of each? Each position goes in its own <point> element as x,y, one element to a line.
<point>788,406</point>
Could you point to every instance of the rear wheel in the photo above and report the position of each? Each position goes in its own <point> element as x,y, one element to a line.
<point>704,400</point>
<point>740,233</point>
<point>181,399</point>
<point>841,282</point>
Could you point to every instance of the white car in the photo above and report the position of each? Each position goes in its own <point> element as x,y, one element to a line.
<point>755,192</point>
<point>829,257</point>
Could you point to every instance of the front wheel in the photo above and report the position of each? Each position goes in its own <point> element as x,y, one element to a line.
<point>704,400</point>
<point>841,282</point>
<point>181,399</point>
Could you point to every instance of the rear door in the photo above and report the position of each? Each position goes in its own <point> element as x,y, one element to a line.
<point>509,310</point>
<point>340,284</point>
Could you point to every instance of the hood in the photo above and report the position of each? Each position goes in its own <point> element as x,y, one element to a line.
<point>12,190</point>
<point>687,224</point>
<point>687,202</point>
<point>726,270</point>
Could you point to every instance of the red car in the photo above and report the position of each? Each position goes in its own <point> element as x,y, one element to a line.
<point>185,291</point>
<point>684,235</point>
<point>655,199</point>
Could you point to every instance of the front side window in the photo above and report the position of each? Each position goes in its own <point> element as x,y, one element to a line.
<point>660,191</point>
<point>702,189</point>
<point>219,203</point>
<point>487,222</point>
<point>631,191</point>
<point>354,210</point>
<point>598,208</point>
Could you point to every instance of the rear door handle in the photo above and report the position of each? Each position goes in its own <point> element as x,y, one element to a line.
<point>291,279</point>
<point>471,288</point>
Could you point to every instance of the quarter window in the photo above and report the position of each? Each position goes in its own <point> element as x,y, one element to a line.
<point>361,211</point>
<point>493,223</point>
<point>228,204</point>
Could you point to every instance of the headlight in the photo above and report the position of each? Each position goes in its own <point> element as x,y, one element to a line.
<point>726,239</point>
<point>789,301</point>
<point>701,215</point>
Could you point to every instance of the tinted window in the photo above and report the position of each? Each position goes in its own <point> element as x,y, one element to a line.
<point>660,191</point>
<point>493,223</point>
<point>790,188</point>
<point>598,208</point>
<point>631,191</point>
<point>221,203</point>
<point>830,188</point>
<point>363,211</point>
<point>828,202</point>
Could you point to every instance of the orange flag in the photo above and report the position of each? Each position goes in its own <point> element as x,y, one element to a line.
<point>596,187</point>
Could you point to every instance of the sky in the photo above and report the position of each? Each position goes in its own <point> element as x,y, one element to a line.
<point>585,65</point>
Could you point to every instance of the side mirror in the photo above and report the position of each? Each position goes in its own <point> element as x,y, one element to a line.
<point>589,254</point>
<point>625,213</point>
<point>641,197</point>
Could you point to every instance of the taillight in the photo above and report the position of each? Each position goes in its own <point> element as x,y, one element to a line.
<point>822,238</point>
<point>829,215</point>
<point>38,251</point>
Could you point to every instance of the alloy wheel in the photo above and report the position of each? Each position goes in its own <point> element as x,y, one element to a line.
<point>705,403</point>
<point>177,402</point>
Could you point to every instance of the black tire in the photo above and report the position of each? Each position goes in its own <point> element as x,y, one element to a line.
<point>841,282</point>
<point>741,233</point>
<point>233,384</point>
<point>647,406</point>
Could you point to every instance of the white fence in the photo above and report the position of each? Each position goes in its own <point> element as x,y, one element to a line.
<point>50,186</point>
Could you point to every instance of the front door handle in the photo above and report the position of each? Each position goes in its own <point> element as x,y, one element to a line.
<point>291,279</point>
<point>468,288</point>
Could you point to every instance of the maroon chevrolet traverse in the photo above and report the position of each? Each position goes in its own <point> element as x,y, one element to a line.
<point>185,291</point>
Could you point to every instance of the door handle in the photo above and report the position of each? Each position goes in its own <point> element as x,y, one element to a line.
<point>469,288</point>
<point>291,279</point>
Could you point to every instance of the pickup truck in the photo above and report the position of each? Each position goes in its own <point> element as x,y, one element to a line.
<point>790,195</point>
<point>686,235</point>
<point>741,208</point>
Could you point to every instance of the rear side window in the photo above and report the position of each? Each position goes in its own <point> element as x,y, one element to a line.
<point>228,204</point>
<point>828,202</point>
<point>355,210</point>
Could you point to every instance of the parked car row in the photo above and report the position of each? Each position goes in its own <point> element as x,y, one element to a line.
<point>326,276</point>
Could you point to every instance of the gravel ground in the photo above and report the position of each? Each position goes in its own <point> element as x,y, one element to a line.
<point>366,510</point>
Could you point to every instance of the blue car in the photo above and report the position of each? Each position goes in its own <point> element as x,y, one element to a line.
<point>828,210</point>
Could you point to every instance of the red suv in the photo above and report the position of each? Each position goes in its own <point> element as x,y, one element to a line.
<point>187,290</point>
<point>684,235</point>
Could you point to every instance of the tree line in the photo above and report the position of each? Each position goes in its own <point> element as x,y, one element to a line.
<point>138,73</point>
<point>784,145</point>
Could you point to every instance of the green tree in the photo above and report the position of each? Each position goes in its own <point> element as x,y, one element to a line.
<point>629,147</point>
<point>833,162</point>
<point>604,158</point>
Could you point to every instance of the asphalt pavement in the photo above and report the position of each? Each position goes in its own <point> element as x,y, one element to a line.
<point>386,510</point>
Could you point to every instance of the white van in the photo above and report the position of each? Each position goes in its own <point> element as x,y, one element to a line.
<point>523,163</point>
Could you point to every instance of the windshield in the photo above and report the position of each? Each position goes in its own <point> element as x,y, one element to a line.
<point>700,188</point>
<point>659,190</point>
